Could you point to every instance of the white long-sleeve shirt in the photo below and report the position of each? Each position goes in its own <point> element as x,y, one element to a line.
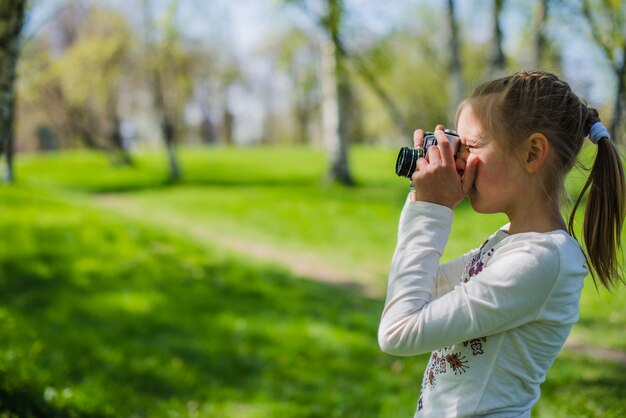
<point>496,318</point>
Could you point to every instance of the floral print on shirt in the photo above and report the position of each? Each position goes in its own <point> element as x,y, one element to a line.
<point>477,262</point>
<point>448,360</point>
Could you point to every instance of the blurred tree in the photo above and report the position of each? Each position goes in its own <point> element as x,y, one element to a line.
<point>228,76</point>
<point>11,22</point>
<point>498,59</point>
<point>411,66</point>
<point>539,29</point>
<point>39,95</point>
<point>456,67</point>
<point>336,94</point>
<point>74,75</point>
<point>341,108</point>
<point>299,57</point>
<point>538,39</point>
<point>91,78</point>
<point>406,66</point>
<point>170,69</point>
<point>607,20</point>
<point>364,68</point>
<point>336,91</point>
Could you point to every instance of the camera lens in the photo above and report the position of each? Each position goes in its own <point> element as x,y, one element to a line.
<point>407,158</point>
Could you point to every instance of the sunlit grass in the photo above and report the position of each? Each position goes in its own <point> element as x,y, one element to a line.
<point>273,195</point>
<point>102,317</point>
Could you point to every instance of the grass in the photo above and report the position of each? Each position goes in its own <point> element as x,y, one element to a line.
<point>133,314</point>
<point>275,196</point>
<point>101,317</point>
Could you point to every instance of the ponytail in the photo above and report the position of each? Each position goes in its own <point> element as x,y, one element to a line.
<point>605,208</point>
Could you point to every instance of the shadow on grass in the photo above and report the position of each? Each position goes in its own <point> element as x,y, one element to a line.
<point>120,321</point>
<point>169,184</point>
<point>236,182</point>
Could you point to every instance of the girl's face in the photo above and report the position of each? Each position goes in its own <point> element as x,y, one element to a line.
<point>500,180</point>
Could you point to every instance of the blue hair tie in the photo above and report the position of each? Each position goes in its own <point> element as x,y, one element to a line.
<point>597,132</point>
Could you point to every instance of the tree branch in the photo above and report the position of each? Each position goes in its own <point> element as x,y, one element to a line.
<point>595,32</point>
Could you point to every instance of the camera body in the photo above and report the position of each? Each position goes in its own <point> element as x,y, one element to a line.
<point>407,158</point>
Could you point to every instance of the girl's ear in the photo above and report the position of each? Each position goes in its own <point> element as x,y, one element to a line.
<point>538,148</point>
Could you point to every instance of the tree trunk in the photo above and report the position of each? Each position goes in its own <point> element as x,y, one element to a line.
<point>616,128</point>
<point>11,21</point>
<point>340,170</point>
<point>117,142</point>
<point>334,114</point>
<point>167,129</point>
<point>456,69</point>
<point>330,113</point>
<point>156,84</point>
<point>498,60</point>
<point>207,129</point>
<point>9,174</point>
<point>228,126</point>
<point>336,100</point>
<point>541,15</point>
<point>303,118</point>
<point>609,45</point>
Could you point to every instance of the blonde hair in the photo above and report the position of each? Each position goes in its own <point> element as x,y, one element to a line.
<point>514,107</point>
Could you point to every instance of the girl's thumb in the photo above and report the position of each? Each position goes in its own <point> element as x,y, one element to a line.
<point>469,174</point>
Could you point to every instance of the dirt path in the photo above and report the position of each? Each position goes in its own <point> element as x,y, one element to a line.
<point>298,263</point>
<point>575,346</point>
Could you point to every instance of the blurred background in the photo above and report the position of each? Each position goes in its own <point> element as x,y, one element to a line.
<point>199,205</point>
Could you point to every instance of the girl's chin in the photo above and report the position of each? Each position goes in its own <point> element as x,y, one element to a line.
<point>476,203</point>
<point>480,208</point>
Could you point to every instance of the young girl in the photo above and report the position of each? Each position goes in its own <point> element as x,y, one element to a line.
<point>497,317</point>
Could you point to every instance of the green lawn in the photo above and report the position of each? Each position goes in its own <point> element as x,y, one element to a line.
<point>102,317</point>
<point>119,299</point>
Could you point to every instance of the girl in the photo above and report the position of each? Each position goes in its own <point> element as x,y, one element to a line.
<point>497,317</point>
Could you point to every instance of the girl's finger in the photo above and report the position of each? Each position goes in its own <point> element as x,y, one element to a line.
<point>446,153</point>
<point>418,138</point>
<point>421,164</point>
<point>434,155</point>
<point>467,181</point>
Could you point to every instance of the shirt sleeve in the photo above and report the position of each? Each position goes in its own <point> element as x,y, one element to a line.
<point>449,275</point>
<point>435,221</point>
<point>511,290</point>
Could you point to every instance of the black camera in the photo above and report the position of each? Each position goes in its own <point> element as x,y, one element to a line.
<point>407,158</point>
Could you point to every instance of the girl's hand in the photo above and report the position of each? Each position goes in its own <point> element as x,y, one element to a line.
<point>436,179</point>
<point>418,142</point>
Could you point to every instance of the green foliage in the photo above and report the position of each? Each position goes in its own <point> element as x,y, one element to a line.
<point>90,70</point>
<point>76,91</point>
<point>416,82</point>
